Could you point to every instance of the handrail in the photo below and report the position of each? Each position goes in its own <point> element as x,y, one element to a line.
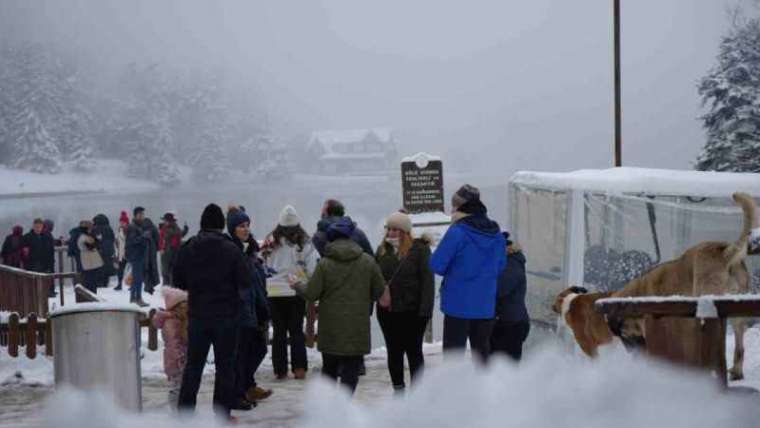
<point>41,275</point>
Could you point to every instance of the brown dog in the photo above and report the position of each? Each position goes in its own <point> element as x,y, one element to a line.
<point>575,306</point>
<point>708,268</point>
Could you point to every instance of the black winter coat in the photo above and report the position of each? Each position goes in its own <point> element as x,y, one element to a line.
<point>214,272</point>
<point>320,237</point>
<point>12,250</point>
<point>105,236</point>
<point>255,305</point>
<point>510,298</point>
<point>411,281</point>
<point>41,257</point>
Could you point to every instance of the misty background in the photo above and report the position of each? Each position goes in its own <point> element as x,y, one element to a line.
<point>507,84</point>
<point>491,86</point>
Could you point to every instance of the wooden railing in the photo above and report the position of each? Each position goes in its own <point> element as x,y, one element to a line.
<point>27,292</point>
<point>664,341</point>
<point>31,332</point>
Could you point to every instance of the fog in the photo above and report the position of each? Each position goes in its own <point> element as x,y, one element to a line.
<point>505,85</point>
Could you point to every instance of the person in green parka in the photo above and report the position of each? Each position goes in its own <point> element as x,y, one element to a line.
<point>345,282</point>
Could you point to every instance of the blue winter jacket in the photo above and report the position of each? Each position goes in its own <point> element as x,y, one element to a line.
<point>470,258</point>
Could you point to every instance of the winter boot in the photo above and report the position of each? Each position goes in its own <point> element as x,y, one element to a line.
<point>299,373</point>
<point>242,404</point>
<point>257,393</point>
<point>141,303</point>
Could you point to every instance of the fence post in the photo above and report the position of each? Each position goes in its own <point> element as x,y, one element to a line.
<point>48,338</point>
<point>31,336</point>
<point>13,335</point>
<point>152,332</point>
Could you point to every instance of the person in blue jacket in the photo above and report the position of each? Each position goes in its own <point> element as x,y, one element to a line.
<point>470,258</point>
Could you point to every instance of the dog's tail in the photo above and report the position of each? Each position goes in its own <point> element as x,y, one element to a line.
<point>738,251</point>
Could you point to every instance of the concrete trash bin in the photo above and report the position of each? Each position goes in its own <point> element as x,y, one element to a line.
<point>96,346</point>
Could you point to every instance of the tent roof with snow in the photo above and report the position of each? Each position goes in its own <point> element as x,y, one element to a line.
<point>644,180</point>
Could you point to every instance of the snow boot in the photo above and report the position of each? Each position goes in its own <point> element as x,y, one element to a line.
<point>299,373</point>
<point>257,393</point>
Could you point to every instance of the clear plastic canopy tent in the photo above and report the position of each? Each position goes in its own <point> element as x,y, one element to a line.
<point>601,228</point>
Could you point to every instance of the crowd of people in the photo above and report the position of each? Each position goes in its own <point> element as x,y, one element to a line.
<point>222,288</point>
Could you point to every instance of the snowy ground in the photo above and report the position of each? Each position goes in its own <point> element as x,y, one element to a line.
<point>27,399</point>
<point>109,176</point>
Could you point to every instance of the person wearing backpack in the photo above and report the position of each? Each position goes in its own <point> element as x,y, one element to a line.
<point>407,307</point>
<point>288,251</point>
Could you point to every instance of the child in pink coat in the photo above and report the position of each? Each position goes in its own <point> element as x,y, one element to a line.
<point>173,324</point>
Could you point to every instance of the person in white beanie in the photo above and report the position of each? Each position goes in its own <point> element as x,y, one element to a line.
<point>288,252</point>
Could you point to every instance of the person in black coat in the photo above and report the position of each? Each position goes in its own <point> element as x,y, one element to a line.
<point>255,314</point>
<point>403,319</point>
<point>512,320</point>
<point>215,274</point>
<point>104,234</point>
<point>39,249</point>
<point>13,248</point>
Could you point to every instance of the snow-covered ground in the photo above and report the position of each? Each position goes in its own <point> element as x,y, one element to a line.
<point>551,388</point>
<point>109,176</point>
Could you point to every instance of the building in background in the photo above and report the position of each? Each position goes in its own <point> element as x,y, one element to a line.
<point>364,151</point>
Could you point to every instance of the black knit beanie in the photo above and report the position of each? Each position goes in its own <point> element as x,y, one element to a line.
<point>212,218</point>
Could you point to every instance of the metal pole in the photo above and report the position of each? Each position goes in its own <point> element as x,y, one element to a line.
<point>618,114</point>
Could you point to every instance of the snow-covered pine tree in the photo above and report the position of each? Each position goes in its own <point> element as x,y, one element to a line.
<point>76,142</point>
<point>732,91</point>
<point>34,149</point>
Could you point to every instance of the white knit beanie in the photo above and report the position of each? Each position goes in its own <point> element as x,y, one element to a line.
<point>289,217</point>
<point>399,220</point>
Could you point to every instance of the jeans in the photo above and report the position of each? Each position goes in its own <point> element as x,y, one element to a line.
<point>252,348</point>
<point>403,333</point>
<point>508,337</point>
<point>90,279</point>
<point>202,334</point>
<point>287,320</point>
<point>344,367</point>
<point>456,332</point>
<point>135,291</point>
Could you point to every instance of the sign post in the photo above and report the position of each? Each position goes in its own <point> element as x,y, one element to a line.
<point>422,183</point>
<point>423,198</point>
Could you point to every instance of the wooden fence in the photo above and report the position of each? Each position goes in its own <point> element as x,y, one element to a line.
<point>32,332</point>
<point>27,292</point>
<point>665,339</point>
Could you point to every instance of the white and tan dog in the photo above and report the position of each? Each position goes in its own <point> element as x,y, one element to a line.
<point>575,307</point>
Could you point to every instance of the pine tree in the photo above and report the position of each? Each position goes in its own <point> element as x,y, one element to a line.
<point>76,142</point>
<point>732,91</point>
<point>34,148</point>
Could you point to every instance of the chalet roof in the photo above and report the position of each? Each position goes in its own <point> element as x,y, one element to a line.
<point>329,138</point>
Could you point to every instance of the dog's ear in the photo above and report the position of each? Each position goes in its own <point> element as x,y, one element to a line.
<point>578,290</point>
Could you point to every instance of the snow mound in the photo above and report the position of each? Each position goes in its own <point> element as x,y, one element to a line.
<point>549,390</point>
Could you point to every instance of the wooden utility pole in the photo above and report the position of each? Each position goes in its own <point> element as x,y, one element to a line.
<point>618,114</point>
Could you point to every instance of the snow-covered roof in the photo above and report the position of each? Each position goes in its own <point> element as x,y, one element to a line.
<point>353,156</point>
<point>329,138</point>
<point>644,180</point>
